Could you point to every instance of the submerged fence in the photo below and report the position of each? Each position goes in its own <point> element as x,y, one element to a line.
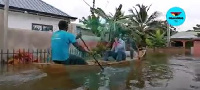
<point>23,56</point>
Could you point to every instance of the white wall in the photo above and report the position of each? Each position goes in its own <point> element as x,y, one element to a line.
<point>24,21</point>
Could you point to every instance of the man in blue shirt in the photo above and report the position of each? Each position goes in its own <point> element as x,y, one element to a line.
<point>60,44</point>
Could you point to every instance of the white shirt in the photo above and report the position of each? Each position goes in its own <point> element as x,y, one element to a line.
<point>120,46</point>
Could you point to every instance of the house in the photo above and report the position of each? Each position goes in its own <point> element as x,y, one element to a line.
<point>28,23</point>
<point>184,39</point>
<point>188,40</point>
<point>27,17</point>
<point>34,15</point>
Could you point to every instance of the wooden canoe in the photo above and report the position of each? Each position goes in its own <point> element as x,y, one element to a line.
<point>51,68</point>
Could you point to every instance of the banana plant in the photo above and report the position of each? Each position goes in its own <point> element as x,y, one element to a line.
<point>114,22</point>
<point>156,39</point>
<point>93,22</point>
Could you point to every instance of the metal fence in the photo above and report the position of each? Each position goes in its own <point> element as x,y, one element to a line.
<point>28,56</point>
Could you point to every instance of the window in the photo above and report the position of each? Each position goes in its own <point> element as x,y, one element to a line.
<point>41,27</point>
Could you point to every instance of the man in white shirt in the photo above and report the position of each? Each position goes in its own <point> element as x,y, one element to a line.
<point>117,51</point>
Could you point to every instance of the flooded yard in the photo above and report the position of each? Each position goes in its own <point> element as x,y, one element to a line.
<point>156,72</point>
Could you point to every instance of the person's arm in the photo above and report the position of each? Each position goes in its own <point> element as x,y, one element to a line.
<point>79,47</point>
<point>72,39</point>
<point>113,46</point>
<point>78,36</point>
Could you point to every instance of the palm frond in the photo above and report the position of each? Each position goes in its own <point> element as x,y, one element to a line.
<point>101,13</point>
<point>149,7</point>
<point>153,16</point>
<point>137,15</point>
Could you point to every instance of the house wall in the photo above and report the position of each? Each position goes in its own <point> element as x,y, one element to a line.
<point>24,20</point>
<point>28,39</point>
<point>22,38</point>
<point>20,34</point>
<point>196,48</point>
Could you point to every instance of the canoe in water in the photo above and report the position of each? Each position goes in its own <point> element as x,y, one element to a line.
<point>51,68</point>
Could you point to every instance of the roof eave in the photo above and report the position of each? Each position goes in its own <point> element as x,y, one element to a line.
<point>11,8</point>
<point>182,38</point>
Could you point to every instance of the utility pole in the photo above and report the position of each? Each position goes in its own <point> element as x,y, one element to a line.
<point>93,4</point>
<point>168,35</point>
<point>6,7</point>
<point>5,31</point>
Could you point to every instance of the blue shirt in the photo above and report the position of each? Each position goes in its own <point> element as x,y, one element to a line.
<point>60,43</point>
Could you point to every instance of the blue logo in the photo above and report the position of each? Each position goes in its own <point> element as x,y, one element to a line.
<point>175,16</point>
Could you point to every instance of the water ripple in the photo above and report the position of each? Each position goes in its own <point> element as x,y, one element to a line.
<point>22,77</point>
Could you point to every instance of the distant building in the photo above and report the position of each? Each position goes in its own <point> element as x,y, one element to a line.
<point>184,39</point>
<point>34,15</point>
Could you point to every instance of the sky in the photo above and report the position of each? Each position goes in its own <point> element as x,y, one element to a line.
<point>79,9</point>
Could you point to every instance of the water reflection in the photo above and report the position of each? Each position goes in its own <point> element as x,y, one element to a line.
<point>109,78</point>
<point>136,77</point>
<point>150,72</point>
<point>197,72</point>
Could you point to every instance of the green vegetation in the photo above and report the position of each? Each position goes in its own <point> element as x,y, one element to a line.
<point>156,39</point>
<point>197,28</point>
<point>141,26</point>
<point>93,22</point>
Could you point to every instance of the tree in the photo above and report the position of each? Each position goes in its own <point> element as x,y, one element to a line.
<point>163,25</point>
<point>197,28</point>
<point>141,22</point>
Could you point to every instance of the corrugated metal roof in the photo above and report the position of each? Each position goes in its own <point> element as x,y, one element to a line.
<point>36,5</point>
<point>184,35</point>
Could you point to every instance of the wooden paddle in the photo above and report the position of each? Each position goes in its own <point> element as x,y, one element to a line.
<point>92,55</point>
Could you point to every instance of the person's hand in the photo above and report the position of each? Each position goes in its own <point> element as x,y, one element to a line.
<point>91,52</point>
<point>78,36</point>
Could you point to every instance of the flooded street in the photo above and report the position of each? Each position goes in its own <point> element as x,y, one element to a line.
<point>156,72</point>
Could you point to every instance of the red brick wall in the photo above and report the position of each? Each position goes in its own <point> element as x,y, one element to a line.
<point>196,48</point>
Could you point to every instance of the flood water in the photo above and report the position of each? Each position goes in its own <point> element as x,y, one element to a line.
<point>156,72</point>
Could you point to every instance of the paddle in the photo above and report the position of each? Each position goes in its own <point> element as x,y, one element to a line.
<point>93,54</point>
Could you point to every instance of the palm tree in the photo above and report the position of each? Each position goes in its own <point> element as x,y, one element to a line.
<point>163,25</point>
<point>197,28</point>
<point>141,22</point>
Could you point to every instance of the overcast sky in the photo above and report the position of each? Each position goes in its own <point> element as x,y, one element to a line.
<point>78,8</point>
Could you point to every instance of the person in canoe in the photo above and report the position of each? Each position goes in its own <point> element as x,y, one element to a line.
<point>117,51</point>
<point>60,44</point>
<point>132,47</point>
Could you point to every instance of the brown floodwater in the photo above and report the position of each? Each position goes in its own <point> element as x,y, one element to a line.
<point>157,72</point>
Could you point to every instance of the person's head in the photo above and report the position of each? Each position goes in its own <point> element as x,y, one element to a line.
<point>116,38</point>
<point>63,25</point>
